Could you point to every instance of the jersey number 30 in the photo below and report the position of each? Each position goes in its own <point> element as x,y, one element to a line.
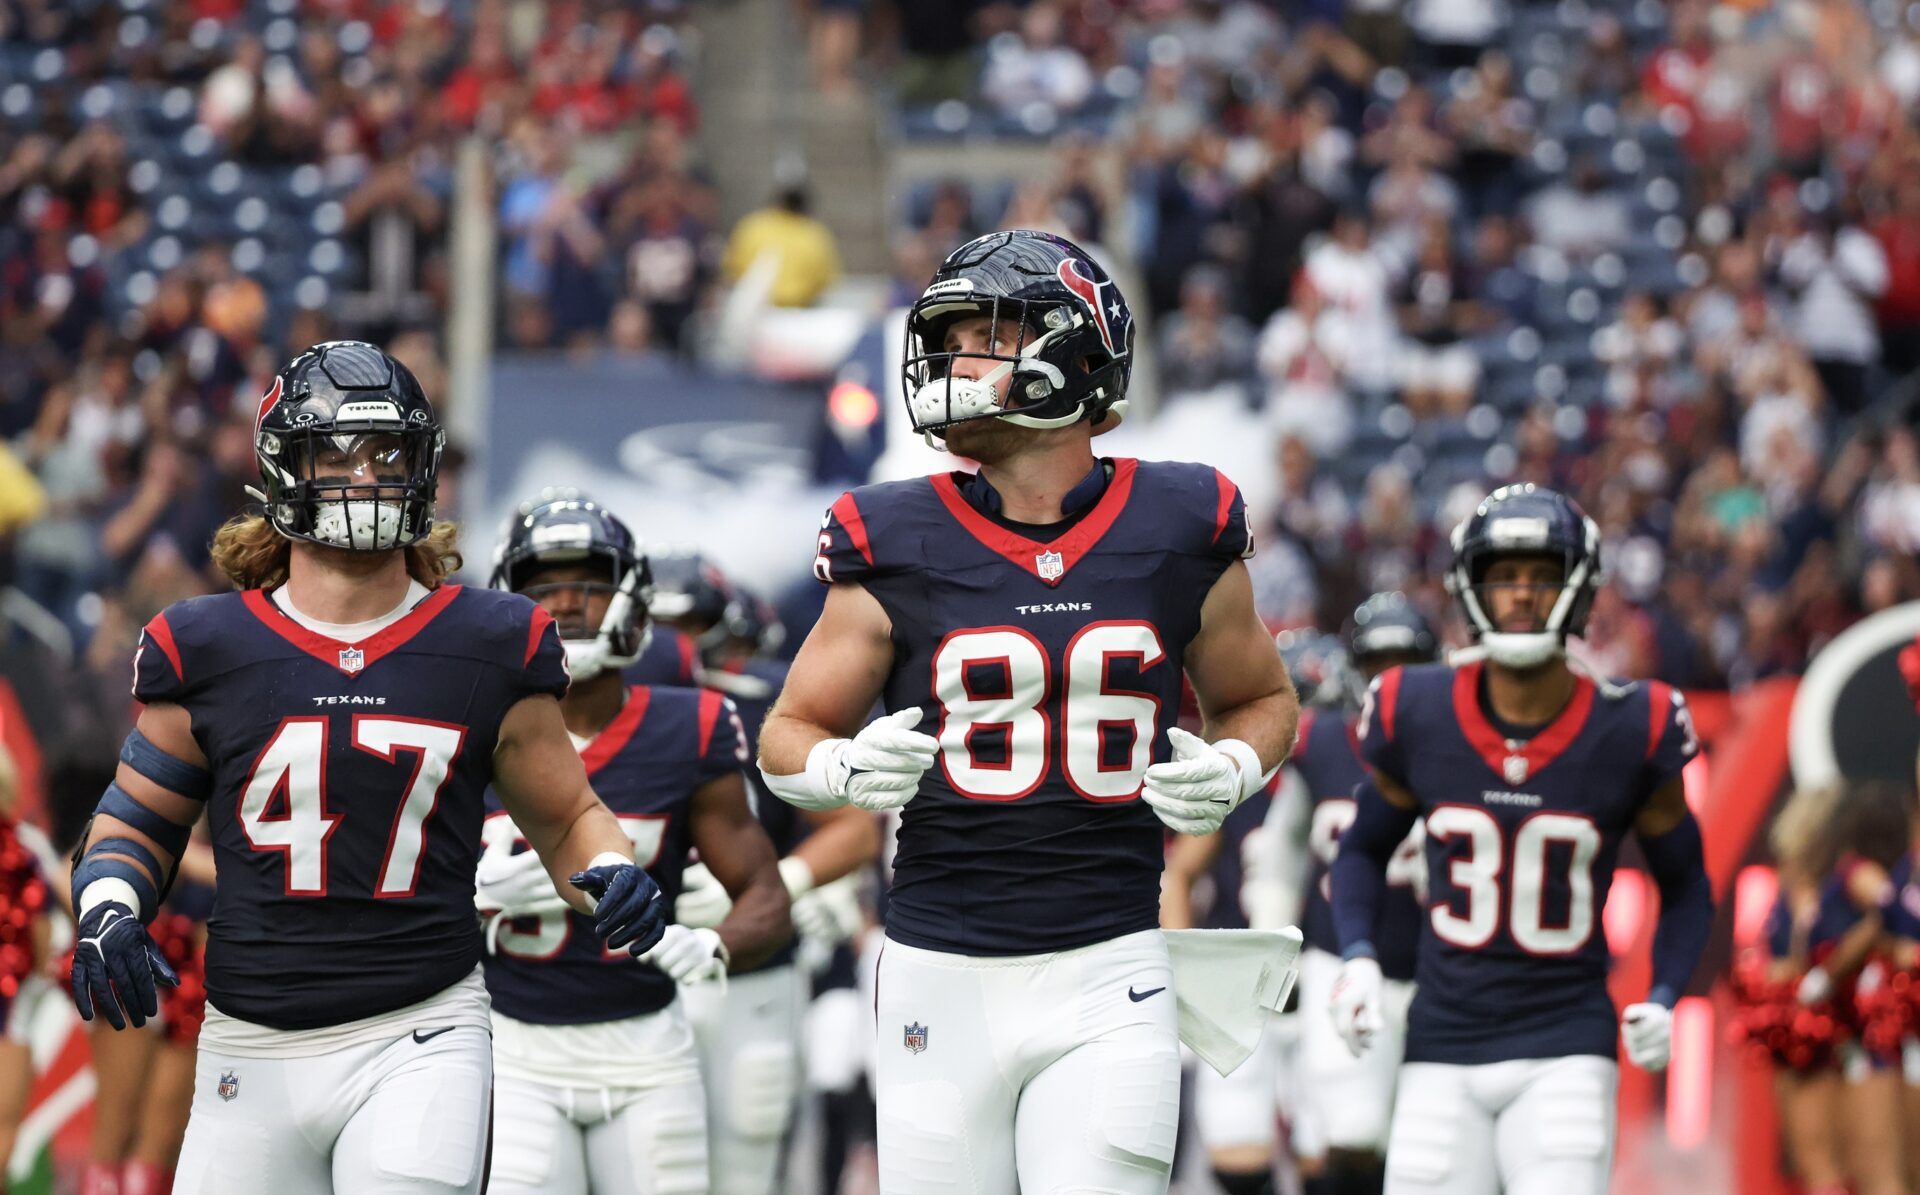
<point>992,685</point>
<point>1541,841</point>
<point>294,762</point>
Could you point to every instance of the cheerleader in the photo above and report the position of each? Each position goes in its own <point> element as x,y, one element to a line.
<point>1901,913</point>
<point>24,937</point>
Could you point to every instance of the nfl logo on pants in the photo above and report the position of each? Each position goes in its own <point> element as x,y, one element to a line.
<point>916,1039</point>
<point>229,1085</point>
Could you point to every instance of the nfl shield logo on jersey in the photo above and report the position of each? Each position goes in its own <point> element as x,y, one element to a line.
<point>1515,769</point>
<point>352,660</point>
<point>916,1039</point>
<point>1050,565</point>
<point>229,1085</point>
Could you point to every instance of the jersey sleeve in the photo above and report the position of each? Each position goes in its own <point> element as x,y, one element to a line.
<point>1380,746</point>
<point>1232,537</point>
<point>723,740</point>
<point>158,672</point>
<point>844,552</point>
<point>1671,741</point>
<point>545,668</point>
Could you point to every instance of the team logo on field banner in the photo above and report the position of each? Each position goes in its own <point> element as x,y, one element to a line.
<point>229,1085</point>
<point>916,1039</point>
<point>352,660</point>
<point>1050,565</point>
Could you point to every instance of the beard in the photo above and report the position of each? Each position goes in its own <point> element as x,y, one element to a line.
<point>986,441</point>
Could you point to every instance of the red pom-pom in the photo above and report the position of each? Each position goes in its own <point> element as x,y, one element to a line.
<point>1770,1020</point>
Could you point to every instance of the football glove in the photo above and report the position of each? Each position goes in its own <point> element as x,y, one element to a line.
<point>703,901</point>
<point>1647,1030</point>
<point>1355,1003</point>
<point>829,914</point>
<point>115,967</point>
<point>514,886</point>
<point>627,909</point>
<point>879,768</point>
<point>1195,790</point>
<point>688,955</point>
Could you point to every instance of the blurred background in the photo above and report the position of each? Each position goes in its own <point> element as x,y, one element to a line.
<point>1385,254</point>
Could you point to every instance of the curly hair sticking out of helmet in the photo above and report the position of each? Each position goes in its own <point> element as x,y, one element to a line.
<point>255,556</point>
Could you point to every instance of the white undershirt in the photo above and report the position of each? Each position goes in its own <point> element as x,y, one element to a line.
<point>352,632</point>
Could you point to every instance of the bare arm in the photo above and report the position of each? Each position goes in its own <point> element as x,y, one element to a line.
<point>836,677</point>
<point>843,841</point>
<point>740,855</point>
<point>543,785</point>
<point>1236,672</point>
<point>1190,857</point>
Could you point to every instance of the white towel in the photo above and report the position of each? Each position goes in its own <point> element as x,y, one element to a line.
<point>1226,982</point>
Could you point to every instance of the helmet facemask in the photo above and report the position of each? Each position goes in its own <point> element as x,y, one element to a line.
<point>1525,649</point>
<point>1026,342</point>
<point>621,635</point>
<point>365,488</point>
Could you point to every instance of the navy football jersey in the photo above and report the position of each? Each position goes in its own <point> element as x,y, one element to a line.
<point>752,688</point>
<point>669,658</point>
<point>662,746</point>
<point>1521,840</point>
<point>347,790</point>
<point>1833,917</point>
<point>1902,911</point>
<point>1050,673</point>
<point>1327,756</point>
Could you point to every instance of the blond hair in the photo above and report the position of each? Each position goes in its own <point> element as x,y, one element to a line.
<point>254,556</point>
<point>1803,837</point>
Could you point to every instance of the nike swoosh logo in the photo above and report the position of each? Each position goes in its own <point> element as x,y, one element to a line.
<point>421,1039</point>
<point>1137,997</point>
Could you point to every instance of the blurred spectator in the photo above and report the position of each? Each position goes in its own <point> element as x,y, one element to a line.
<point>1494,129</point>
<point>1580,216</point>
<point>1439,371</point>
<point>1836,274</point>
<point>1304,354</point>
<point>796,251</point>
<point>1033,68</point>
<point>1355,276</point>
<point>833,43</point>
<point>1637,349</point>
<point>1203,345</point>
<point>1898,232</point>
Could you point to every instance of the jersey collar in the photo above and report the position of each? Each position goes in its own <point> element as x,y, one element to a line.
<point>352,659</point>
<point>979,492</point>
<point>1052,560</point>
<point>1517,764</point>
<point>614,735</point>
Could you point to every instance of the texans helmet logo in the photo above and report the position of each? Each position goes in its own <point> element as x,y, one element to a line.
<point>1102,300</point>
<point>266,404</point>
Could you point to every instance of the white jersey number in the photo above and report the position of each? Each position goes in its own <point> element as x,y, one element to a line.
<point>1477,875</point>
<point>294,764</point>
<point>540,937</point>
<point>994,682</point>
<point>1331,819</point>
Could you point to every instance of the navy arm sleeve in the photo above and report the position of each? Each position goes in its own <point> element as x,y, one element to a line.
<point>1677,860</point>
<point>1358,876</point>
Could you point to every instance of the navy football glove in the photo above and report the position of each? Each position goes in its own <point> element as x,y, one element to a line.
<point>629,911</point>
<point>115,965</point>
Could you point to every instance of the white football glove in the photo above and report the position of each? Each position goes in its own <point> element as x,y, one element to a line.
<point>1355,1004</point>
<point>1647,1030</point>
<point>1816,985</point>
<point>514,886</point>
<point>1195,790</point>
<point>829,914</point>
<point>879,768</point>
<point>688,955</point>
<point>703,902</point>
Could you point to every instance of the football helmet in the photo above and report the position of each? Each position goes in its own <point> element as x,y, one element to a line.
<point>693,594</point>
<point>1387,628</point>
<point>1317,662</point>
<point>563,528</point>
<point>1526,520</point>
<point>1072,344</point>
<point>349,449</point>
<point>753,619</point>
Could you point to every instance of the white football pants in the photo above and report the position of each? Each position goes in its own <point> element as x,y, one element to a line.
<point>1532,1126</point>
<point>610,1141</point>
<point>1052,1074</point>
<point>749,1061</point>
<point>388,1117</point>
<point>1351,1098</point>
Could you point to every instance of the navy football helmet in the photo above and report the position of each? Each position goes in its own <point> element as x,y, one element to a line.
<point>1387,630</point>
<point>339,409</point>
<point>753,620</point>
<point>693,594</point>
<point>561,528</point>
<point>1317,662</point>
<point>1071,329</point>
<point>1527,520</point>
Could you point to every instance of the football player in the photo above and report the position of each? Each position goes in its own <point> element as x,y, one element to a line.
<point>747,1032</point>
<point>1527,774</point>
<point>1351,1097</point>
<point>1027,627</point>
<point>339,719</point>
<point>597,1081</point>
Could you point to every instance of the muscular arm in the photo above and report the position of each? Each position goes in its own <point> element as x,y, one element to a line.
<point>836,677</point>
<point>1190,857</point>
<point>735,848</point>
<point>842,841</point>
<point>541,781</point>
<point>1236,672</point>
<point>170,728</point>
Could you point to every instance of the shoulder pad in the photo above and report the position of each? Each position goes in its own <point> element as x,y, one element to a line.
<point>858,534</point>
<point>1207,503</point>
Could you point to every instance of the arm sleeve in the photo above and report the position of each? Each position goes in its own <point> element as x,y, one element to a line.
<point>1358,876</point>
<point>545,667</point>
<point>723,741</point>
<point>844,552</point>
<point>1678,863</point>
<point>158,673</point>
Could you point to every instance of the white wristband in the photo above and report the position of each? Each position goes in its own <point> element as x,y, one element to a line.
<point>813,788</point>
<point>604,859</point>
<point>797,876</point>
<point>107,889</point>
<point>1252,776</point>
